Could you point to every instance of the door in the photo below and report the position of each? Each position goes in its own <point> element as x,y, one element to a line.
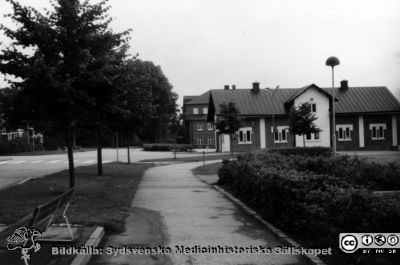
<point>225,143</point>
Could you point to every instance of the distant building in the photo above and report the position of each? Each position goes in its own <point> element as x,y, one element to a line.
<point>198,132</point>
<point>366,117</point>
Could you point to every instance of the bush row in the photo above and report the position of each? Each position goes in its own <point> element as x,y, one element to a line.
<point>13,146</point>
<point>351,169</point>
<point>307,151</point>
<point>168,147</point>
<point>316,206</point>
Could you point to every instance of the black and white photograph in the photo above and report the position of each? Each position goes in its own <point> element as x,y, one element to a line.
<point>199,132</point>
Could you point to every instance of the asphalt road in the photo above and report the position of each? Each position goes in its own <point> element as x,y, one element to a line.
<point>14,169</point>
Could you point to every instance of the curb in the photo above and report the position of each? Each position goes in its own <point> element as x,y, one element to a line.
<point>93,241</point>
<point>314,259</point>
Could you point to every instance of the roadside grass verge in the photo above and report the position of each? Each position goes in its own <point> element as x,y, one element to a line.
<point>97,200</point>
<point>190,158</point>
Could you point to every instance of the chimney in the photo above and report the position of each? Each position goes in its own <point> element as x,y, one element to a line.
<point>344,85</point>
<point>233,87</point>
<point>256,87</point>
<point>226,87</point>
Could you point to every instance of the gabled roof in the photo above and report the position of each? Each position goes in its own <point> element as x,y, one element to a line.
<point>365,99</point>
<point>268,102</point>
<point>304,89</point>
<point>202,99</point>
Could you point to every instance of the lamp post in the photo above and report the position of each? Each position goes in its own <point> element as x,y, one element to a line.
<point>273,117</point>
<point>332,62</point>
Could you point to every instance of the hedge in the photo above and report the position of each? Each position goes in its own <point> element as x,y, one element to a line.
<point>304,151</point>
<point>168,147</point>
<point>14,146</point>
<point>351,169</point>
<point>315,206</point>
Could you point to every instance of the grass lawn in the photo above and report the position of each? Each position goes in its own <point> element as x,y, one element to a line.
<point>190,158</point>
<point>210,169</point>
<point>98,200</point>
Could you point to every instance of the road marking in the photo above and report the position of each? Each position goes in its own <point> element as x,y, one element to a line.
<point>35,162</point>
<point>4,162</point>
<point>53,161</point>
<point>18,162</point>
<point>88,162</point>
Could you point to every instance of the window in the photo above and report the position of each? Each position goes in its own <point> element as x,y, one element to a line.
<point>245,135</point>
<point>210,126</point>
<point>313,107</point>
<point>200,141</point>
<point>312,136</point>
<point>210,140</point>
<point>200,126</point>
<point>281,134</point>
<point>195,111</point>
<point>205,110</point>
<point>344,132</point>
<point>378,131</point>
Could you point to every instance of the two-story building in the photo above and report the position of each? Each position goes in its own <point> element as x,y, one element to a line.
<point>366,117</point>
<point>198,132</point>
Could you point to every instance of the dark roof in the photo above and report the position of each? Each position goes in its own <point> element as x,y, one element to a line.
<point>266,102</point>
<point>202,99</point>
<point>188,98</point>
<point>365,99</point>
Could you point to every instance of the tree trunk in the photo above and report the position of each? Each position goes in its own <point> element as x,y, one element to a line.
<point>70,159</point>
<point>129,151</point>
<point>99,153</point>
<point>231,143</point>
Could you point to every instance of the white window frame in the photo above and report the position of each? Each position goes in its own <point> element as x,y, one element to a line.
<point>346,132</point>
<point>377,127</point>
<point>210,140</point>
<point>205,110</point>
<point>247,132</point>
<point>210,126</point>
<point>313,138</point>
<point>280,130</point>
<point>199,141</point>
<point>195,110</point>
<point>200,126</point>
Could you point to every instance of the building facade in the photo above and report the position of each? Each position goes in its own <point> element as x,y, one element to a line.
<point>198,131</point>
<point>366,117</point>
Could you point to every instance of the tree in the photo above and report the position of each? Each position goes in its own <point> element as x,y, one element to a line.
<point>55,54</point>
<point>228,120</point>
<point>302,121</point>
<point>151,80</point>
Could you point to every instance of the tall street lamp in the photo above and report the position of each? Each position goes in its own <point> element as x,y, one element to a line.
<point>332,62</point>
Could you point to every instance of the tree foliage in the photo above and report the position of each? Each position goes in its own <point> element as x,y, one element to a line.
<point>302,120</point>
<point>65,60</point>
<point>228,121</point>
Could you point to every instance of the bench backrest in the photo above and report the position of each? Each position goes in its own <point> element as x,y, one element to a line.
<point>50,211</point>
<point>42,217</point>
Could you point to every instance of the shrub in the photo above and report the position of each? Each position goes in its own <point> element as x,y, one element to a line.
<point>351,169</point>
<point>168,147</point>
<point>315,206</point>
<point>13,146</point>
<point>304,151</point>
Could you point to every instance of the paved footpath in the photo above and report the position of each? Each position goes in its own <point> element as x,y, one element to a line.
<point>194,213</point>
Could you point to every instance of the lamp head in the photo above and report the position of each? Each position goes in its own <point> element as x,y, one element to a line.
<point>332,61</point>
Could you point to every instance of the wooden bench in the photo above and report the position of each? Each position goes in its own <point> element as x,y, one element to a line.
<point>42,217</point>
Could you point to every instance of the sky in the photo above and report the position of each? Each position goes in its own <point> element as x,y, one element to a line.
<point>206,44</point>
